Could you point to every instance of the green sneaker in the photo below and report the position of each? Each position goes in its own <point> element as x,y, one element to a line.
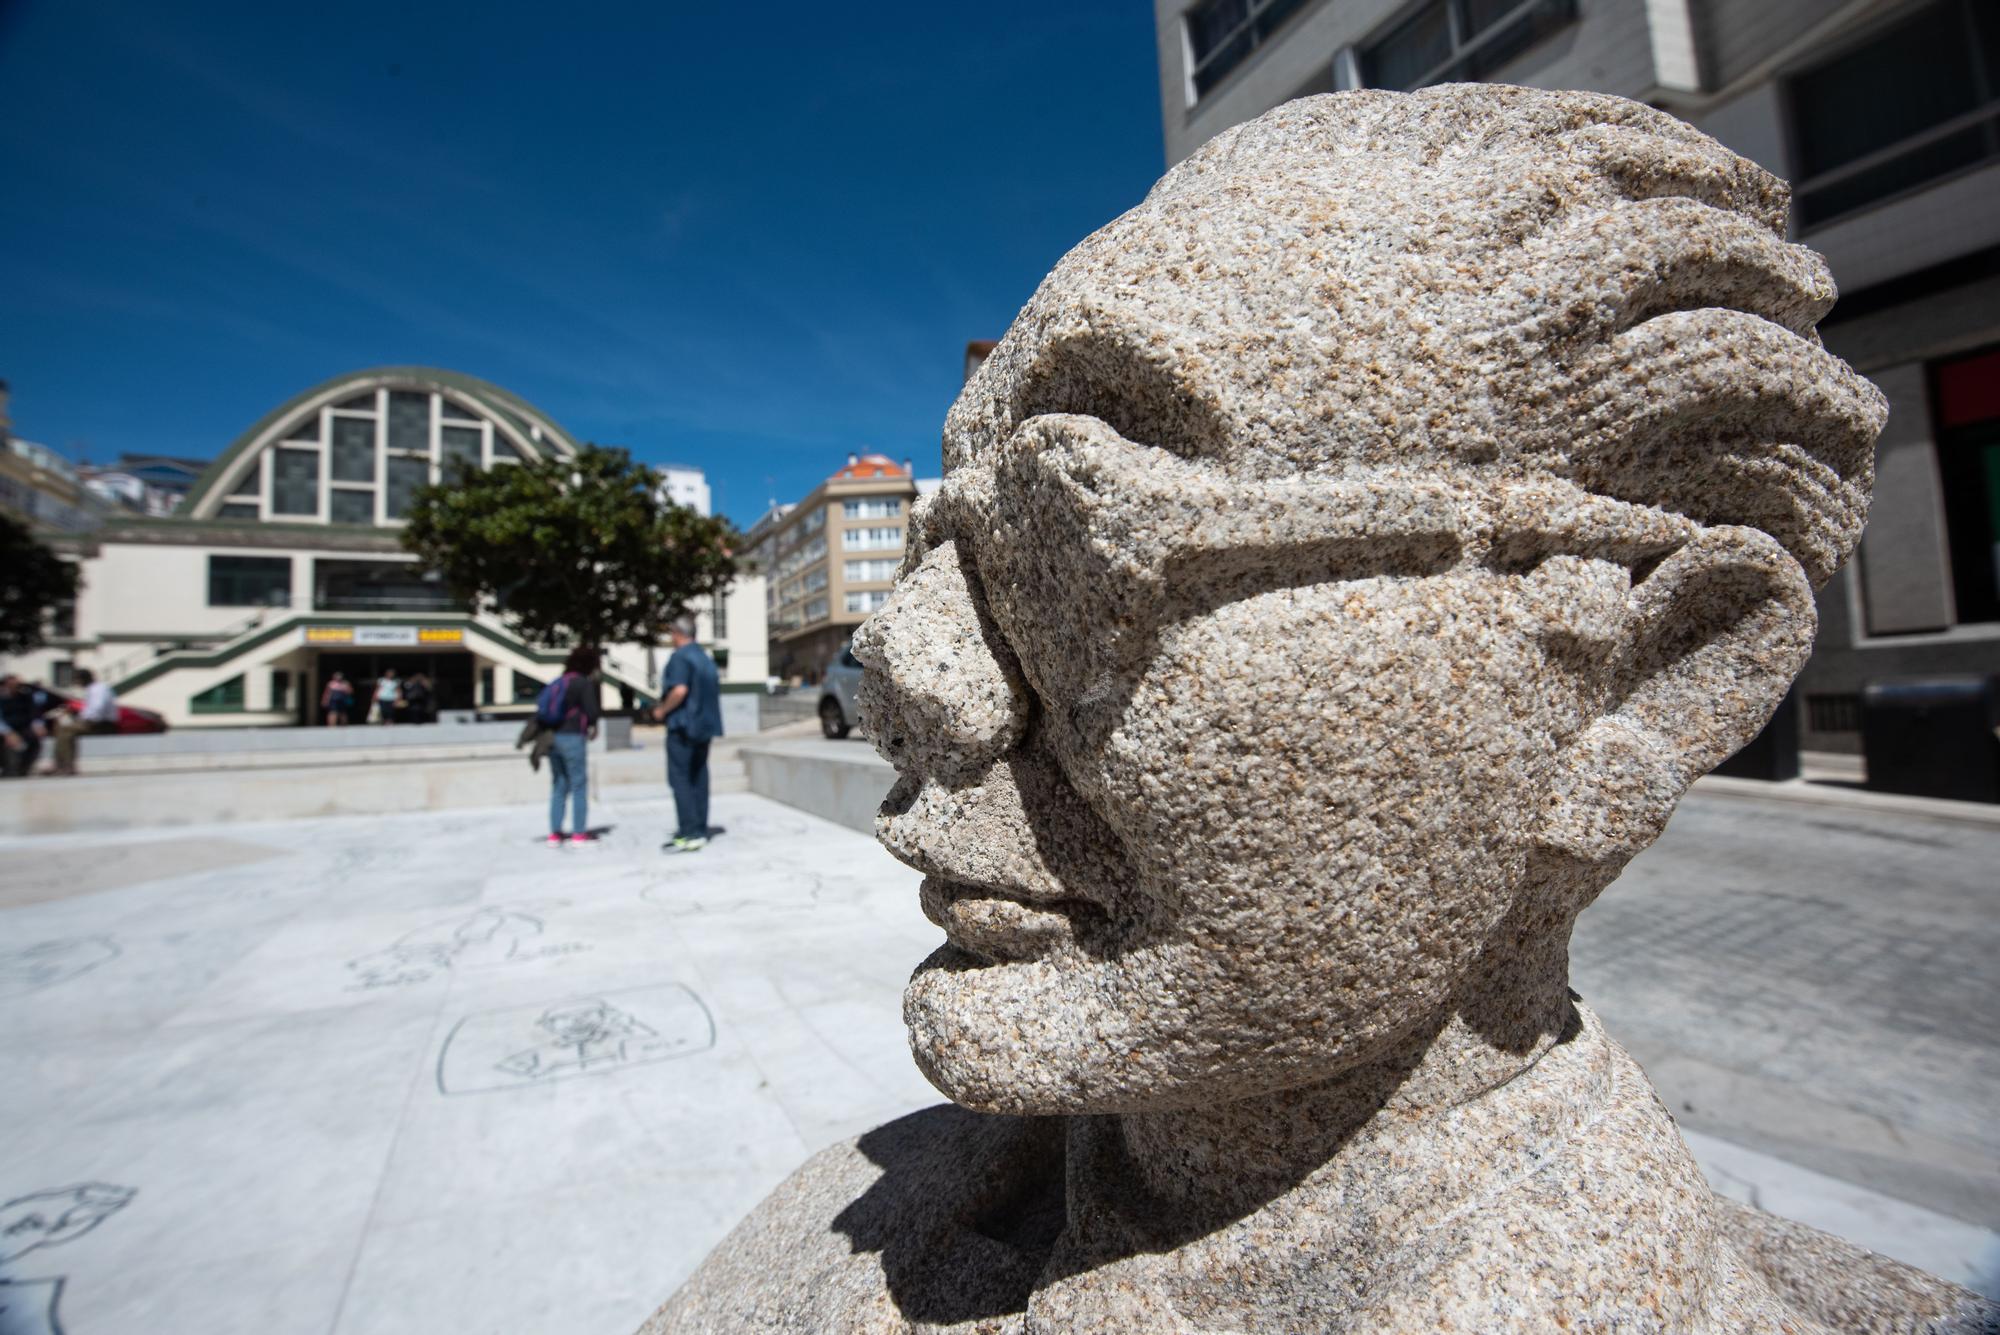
<point>694,845</point>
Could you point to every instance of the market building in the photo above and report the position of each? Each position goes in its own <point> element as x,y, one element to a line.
<point>1885,117</point>
<point>283,565</point>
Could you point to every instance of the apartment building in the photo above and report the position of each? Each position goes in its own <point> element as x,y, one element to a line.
<point>1884,115</point>
<point>830,559</point>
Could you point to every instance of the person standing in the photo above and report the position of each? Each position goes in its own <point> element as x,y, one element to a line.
<point>570,707</point>
<point>388,694</point>
<point>99,714</point>
<point>691,704</point>
<point>417,696</point>
<point>336,702</point>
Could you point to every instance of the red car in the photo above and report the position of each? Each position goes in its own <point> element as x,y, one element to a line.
<point>129,718</point>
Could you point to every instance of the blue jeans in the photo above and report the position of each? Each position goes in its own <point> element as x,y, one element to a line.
<point>569,777</point>
<point>687,775</point>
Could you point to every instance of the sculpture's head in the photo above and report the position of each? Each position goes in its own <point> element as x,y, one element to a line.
<point>1344,565</point>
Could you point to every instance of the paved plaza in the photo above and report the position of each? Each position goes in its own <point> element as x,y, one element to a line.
<point>417,1073</point>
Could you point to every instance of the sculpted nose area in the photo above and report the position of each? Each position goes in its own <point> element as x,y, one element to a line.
<point>941,695</point>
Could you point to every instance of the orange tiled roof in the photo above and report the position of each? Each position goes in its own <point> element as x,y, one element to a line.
<point>870,466</point>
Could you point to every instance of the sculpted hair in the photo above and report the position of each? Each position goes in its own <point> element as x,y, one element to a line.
<point>1616,281</point>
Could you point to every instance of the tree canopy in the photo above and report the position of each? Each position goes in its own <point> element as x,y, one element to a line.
<point>33,580</point>
<point>571,550</point>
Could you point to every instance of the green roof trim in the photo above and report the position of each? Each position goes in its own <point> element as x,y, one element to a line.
<point>503,404</point>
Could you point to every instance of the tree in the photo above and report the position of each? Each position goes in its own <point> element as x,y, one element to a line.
<point>33,580</point>
<point>571,550</point>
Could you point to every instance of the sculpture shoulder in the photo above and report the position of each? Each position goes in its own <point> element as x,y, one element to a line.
<point>940,1220</point>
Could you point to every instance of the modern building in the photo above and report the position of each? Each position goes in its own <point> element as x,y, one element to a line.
<point>684,484</point>
<point>284,565</point>
<point>1884,115</point>
<point>830,560</point>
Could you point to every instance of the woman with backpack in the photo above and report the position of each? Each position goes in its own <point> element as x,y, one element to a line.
<point>568,708</point>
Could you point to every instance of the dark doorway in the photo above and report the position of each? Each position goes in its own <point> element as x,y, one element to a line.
<point>450,676</point>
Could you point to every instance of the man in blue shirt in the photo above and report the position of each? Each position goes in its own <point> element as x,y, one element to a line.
<point>691,704</point>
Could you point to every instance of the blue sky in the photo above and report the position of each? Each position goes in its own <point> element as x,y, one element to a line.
<point>748,237</point>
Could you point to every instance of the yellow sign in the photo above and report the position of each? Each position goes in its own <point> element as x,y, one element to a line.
<point>329,635</point>
<point>440,635</point>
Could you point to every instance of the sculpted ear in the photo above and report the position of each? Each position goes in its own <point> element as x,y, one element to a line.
<point>1712,640</point>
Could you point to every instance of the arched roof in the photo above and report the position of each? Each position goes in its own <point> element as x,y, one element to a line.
<point>531,432</point>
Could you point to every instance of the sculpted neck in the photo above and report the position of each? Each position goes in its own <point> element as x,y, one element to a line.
<point>1221,1160</point>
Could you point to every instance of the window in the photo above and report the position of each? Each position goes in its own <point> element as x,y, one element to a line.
<point>249,581</point>
<point>878,568</point>
<point>1450,41</point>
<point>62,620</point>
<point>405,476</point>
<point>226,698</point>
<point>295,482</point>
<point>867,600</point>
<point>409,421</point>
<point>1965,396</point>
<point>455,412</point>
<point>239,510</point>
<point>459,445</point>
<point>874,539</point>
<point>349,506</point>
<point>1916,102</point>
<point>251,483</point>
<point>62,674</point>
<point>719,619</point>
<point>305,430</point>
<point>812,523</point>
<point>816,610</point>
<point>878,507</point>
<point>353,449</point>
<point>281,691</point>
<point>1221,34</point>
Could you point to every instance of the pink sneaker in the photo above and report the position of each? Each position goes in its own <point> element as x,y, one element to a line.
<point>583,838</point>
<point>555,841</point>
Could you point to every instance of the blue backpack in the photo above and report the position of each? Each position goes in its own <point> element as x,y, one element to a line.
<point>551,706</point>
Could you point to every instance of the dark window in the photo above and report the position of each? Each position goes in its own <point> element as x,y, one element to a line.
<point>305,430</point>
<point>409,421</point>
<point>281,690</point>
<point>294,482</point>
<point>364,403</point>
<point>405,476</point>
<point>62,620</point>
<point>459,443</point>
<point>252,481</point>
<point>1222,34</point>
<point>1916,101</point>
<point>1966,398</point>
<point>1833,713</point>
<point>378,586</point>
<point>526,688</point>
<point>456,412</point>
<point>353,449</point>
<point>226,698</point>
<point>1450,41</point>
<point>352,507</point>
<point>504,448</point>
<point>62,674</point>
<point>239,511</point>
<point>249,581</point>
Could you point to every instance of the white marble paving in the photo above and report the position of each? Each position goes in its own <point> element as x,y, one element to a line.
<point>333,1065</point>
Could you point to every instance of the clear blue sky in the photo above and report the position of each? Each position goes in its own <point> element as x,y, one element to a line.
<point>748,237</point>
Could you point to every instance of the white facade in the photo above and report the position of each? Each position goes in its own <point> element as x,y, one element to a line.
<point>287,567</point>
<point>686,485</point>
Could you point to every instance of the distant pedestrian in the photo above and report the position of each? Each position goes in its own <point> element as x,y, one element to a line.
<point>336,702</point>
<point>388,696</point>
<point>417,698</point>
<point>691,704</point>
<point>568,708</point>
<point>98,714</point>
<point>26,710</point>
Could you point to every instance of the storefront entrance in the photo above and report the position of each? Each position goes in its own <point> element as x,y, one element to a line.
<point>450,676</point>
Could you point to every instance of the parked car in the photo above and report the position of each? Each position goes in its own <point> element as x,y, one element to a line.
<point>130,719</point>
<point>839,707</point>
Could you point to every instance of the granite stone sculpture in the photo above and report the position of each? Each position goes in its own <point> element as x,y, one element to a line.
<point>1344,565</point>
